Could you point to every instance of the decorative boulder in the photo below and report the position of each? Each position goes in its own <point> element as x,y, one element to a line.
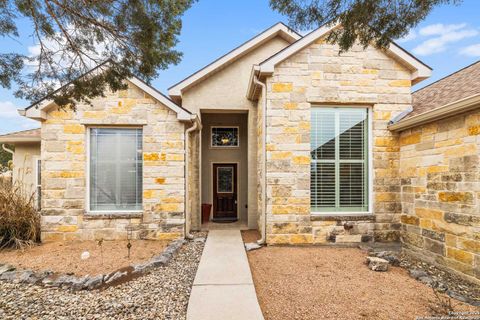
<point>377,264</point>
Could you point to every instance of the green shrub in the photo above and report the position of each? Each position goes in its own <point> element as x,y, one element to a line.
<point>19,219</point>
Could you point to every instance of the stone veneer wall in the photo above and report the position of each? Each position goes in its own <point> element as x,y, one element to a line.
<point>64,174</point>
<point>440,172</point>
<point>319,75</point>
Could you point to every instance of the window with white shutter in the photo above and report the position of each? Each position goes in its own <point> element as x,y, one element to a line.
<point>115,169</point>
<point>339,154</point>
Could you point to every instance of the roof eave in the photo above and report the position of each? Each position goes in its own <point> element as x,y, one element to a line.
<point>454,108</point>
<point>279,29</point>
<point>39,111</point>
<point>420,71</point>
<point>20,140</point>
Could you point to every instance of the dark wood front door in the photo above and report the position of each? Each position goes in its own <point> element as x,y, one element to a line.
<point>225,192</point>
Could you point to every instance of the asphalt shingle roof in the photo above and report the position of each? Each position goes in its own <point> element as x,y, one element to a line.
<point>459,85</point>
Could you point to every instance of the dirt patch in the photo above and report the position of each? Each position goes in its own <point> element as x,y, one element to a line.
<point>250,236</point>
<point>334,283</point>
<point>65,257</point>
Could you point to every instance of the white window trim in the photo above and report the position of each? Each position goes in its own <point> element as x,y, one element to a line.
<point>87,182</point>
<point>369,164</point>
<point>225,147</point>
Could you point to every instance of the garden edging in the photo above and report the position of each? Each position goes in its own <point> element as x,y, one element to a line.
<point>50,279</point>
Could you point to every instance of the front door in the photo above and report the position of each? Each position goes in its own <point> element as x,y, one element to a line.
<point>225,192</point>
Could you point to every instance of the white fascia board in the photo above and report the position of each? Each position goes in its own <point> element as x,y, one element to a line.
<point>454,108</point>
<point>181,113</point>
<point>279,28</point>
<point>268,66</point>
<point>39,112</point>
<point>251,83</point>
<point>420,71</point>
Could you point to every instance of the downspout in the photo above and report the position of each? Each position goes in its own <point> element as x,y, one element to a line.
<point>6,149</point>
<point>263,240</point>
<point>196,125</point>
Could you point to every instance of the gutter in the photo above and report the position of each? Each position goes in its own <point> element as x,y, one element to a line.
<point>454,108</point>
<point>263,240</point>
<point>187,224</point>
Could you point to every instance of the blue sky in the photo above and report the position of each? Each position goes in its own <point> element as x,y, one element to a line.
<point>447,40</point>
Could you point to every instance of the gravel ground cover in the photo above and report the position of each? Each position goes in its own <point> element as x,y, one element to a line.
<point>64,257</point>
<point>161,294</point>
<point>334,283</point>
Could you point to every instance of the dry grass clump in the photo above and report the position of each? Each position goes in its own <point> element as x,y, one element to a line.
<point>19,219</point>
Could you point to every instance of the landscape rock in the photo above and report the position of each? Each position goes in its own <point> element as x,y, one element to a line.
<point>5,268</point>
<point>377,264</point>
<point>9,276</point>
<point>441,280</point>
<point>163,293</point>
<point>63,280</point>
<point>426,280</point>
<point>28,276</point>
<point>252,246</point>
<point>94,282</point>
<point>160,260</point>
<point>115,276</point>
<point>390,256</point>
<point>418,273</point>
<point>79,283</point>
<point>201,240</point>
<point>68,280</point>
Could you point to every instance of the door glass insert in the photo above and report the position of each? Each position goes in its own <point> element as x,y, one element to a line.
<point>224,180</point>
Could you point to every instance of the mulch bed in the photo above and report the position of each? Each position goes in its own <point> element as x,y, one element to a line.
<point>334,283</point>
<point>65,257</point>
<point>162,293</point>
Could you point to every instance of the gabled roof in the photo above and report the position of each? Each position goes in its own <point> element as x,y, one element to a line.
<point>32,135</point>
<point>420,70</point>
<point>453,94</point>
<point>37,110</point>
<point>278,29</point>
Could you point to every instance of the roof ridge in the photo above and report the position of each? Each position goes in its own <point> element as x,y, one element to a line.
<point>447,76</point>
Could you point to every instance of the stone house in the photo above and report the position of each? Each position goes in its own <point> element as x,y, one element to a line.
<point>439,143</point>
<point>282,134</point>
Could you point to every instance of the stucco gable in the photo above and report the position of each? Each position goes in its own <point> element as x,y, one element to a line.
<point>277,30</point>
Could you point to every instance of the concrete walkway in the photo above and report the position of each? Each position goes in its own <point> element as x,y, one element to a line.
<point>223,286</point>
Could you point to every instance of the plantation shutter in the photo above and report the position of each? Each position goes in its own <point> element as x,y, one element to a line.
<point>339,153</point>
<point>115,169</point>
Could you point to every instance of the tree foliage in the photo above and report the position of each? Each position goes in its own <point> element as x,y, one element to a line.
<point>5,157</point>
<point>73,36</point>
<point>365,21</point>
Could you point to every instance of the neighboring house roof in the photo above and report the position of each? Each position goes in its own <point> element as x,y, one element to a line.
<point>32,135</point>
<point>37,110</point>
<point>278,29</point>
<point>457,92</point>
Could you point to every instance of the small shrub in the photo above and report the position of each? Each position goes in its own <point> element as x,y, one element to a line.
<point>19,219</point>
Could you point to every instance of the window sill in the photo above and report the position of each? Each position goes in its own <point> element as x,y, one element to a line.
<point>335,216</point>
<point>112,215</point>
